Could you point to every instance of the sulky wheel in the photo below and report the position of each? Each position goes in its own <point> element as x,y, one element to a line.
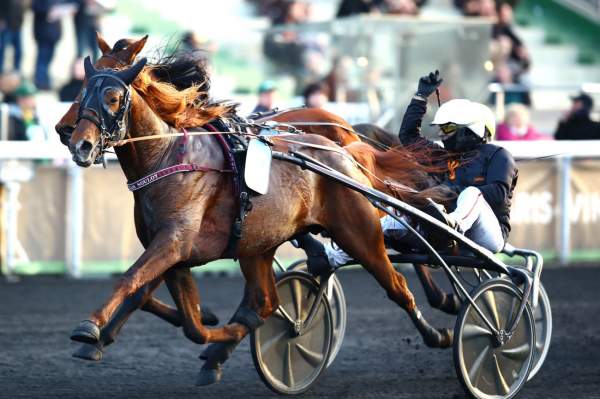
<point>289,355</point>
<point>337,303</point>
<point>543,331</point>
<point>486,368</point>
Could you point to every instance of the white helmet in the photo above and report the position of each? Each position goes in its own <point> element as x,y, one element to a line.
<point>477,117</point>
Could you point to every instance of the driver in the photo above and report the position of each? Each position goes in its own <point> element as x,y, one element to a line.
<point>482,175</point>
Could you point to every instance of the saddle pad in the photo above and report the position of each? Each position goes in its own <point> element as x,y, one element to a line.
<point>257,169</point>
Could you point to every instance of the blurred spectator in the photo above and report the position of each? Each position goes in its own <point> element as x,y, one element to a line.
<point>266,96</point>
<point>398,7</point>
<point>301,54</point>
<point>518,56</point>
<point>200,48</point>
<point>504,76</point>
<point>11,20</point>
<point>47,32</point>
<point>23,121</point>
<point>402,7</point>
<point>476,8</point>
<point>87,22</point>
<point>352,7</point>
<point>315,95</point>
<point>70,91</point>
<point>577,124</point>
<point>516,125</point>
<point>9,82</point>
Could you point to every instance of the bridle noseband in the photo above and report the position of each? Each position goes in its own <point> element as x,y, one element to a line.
<point>112,127</point>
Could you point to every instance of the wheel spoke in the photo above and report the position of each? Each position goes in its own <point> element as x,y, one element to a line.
<point>490,302</point>
<point>296,289</point>
<point>282,314</point>
<point>477,365</point>
<point>475,331</point>
<point>500,381</point>
<point>312,357</point>
<point>509,316</point>
<point>315,321</point>
<point>288,374</point>
<point>518,353</point>
<point>269,343</point>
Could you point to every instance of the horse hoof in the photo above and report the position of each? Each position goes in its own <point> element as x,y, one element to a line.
<point>88,352</point>
<point>209,376</point>
<point>87,332</point>
<point>208,317</point>
<point>447,338</point>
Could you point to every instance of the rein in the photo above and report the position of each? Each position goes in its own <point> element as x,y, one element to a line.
<point>145,181</point>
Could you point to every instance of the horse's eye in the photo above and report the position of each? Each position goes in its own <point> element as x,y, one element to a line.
<point>114,100</point>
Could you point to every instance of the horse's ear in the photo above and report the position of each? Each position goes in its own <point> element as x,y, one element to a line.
<point>104,47</point>
<point>134,49</point>
<point>90,70</point>
<point>129,75</point>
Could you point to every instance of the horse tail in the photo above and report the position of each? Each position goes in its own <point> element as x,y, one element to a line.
<point>399,173</point>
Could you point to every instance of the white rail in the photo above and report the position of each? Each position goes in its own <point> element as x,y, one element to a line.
<point>16,167</point>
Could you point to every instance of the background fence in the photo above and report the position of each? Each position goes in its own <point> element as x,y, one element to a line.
<point>57,217</point>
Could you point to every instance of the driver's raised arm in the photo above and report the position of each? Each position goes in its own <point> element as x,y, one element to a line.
<point>410,130</point>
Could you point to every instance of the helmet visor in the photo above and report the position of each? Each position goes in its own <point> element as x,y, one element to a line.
<point>448,130</point>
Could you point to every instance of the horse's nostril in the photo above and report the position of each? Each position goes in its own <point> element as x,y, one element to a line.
<point>86,146</point>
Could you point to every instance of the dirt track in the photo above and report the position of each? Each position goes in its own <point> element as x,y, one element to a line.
<point>382,357</point>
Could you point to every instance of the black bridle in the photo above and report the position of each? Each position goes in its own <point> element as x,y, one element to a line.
<point>112,126</point>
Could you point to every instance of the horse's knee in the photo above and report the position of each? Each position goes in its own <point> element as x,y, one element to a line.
<point>199,335</point>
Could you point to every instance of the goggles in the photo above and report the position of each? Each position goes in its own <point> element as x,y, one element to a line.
<point>448,129</point>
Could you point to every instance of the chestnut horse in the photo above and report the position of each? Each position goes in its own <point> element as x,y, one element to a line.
<point>122,54</point>
<point>184,220</point>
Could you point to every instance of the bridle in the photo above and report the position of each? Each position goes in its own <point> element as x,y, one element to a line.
<point>112,126</point>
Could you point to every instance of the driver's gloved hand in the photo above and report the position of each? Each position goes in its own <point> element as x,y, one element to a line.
<point>429,83</point>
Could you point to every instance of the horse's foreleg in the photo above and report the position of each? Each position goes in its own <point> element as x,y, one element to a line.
<point>113,327</point>
<point>260,300</point>
<point>446,302</point>
<point>163,252</point>
<point>143,300</point>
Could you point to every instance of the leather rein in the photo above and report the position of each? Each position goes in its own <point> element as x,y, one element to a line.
<point>182,167</point>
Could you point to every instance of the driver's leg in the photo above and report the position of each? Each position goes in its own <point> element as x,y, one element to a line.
<point>325,256</point>
<point>476,219</point>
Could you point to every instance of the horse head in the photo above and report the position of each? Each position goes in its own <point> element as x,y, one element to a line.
<point>120,55</point>
<point>103,111</point>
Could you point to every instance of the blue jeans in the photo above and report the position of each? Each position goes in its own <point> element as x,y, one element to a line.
<point>44,57</point>
<point>13,38</point>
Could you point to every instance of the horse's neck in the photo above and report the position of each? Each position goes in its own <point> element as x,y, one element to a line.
<point>140,158</point>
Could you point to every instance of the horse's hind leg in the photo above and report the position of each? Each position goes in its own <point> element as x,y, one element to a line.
<point>363,240</point>
<point>260,300</point>
<point>446,302</point>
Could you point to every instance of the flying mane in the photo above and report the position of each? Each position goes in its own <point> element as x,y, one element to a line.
<point>176,89</point>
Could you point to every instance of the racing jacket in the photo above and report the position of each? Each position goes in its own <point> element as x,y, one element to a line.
<point>488,167</point>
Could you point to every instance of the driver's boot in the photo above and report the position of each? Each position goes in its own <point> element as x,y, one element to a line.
<point>316,257</point>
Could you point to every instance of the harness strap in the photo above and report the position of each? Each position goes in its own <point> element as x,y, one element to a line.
<point>160,174</point>
<point>182,150</point>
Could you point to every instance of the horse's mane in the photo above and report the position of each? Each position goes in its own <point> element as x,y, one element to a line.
<point>176,89</point>
<point>411,166</point>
